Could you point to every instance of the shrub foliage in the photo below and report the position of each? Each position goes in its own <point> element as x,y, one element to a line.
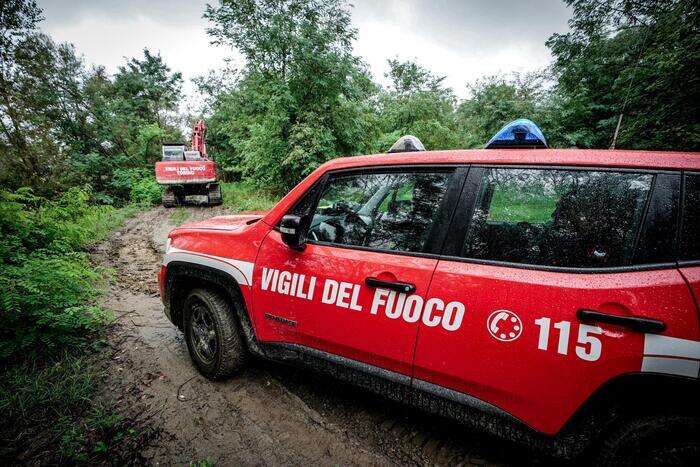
<point>48,284</point>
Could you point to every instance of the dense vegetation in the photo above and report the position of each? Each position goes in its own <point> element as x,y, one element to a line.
<point>303,97</point>
<point>49,315</point>
<point>78,144</point>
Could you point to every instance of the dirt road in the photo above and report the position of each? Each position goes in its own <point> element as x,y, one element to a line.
<point>268,415</point>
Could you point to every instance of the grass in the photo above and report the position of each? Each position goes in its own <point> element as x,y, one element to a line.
<point>51,331</point>
<point>203,463</point>
<point>179,216</point>
<point>99,224</point>
<point>244,196</point>
<point>48,406</point>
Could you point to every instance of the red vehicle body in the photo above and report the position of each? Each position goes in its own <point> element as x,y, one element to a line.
<point>185,173</point>
<point>531,345</point>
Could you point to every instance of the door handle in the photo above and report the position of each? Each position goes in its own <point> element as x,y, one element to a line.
<point>635,323</point>
<point>403,287</point>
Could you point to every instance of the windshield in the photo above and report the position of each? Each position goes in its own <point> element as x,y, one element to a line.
<point>173,154</point>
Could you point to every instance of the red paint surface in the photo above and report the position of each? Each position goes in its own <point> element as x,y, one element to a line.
<point>359,335</point>
<point>174,172</point>
<point>543,388</point>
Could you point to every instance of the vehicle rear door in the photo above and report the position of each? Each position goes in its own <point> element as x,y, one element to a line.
<point>568,279</point>
<point>357,288</point>
<point>689,255</point>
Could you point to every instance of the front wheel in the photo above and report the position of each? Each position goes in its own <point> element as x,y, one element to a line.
<point>213,334</point>
<point>661,440</point>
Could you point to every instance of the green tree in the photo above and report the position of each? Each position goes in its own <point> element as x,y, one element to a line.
<point>40,111</point>
<point>417,103</point>
<point>302,97</point>
<point>638,59</point>
<point>130,115</point>
<point>496,100</point>
<point>144,101</point>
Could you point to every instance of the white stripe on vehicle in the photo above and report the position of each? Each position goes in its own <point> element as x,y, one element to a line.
<point>655,344</point>
<point>671,355</point>
<point>671,366</point>
<point>241,271</point>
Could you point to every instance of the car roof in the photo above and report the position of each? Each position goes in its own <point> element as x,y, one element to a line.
<point>664,160</point>
<point>577,157</point>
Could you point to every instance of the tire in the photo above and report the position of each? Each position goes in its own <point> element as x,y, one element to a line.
<point>661,440</point>
<point>213,334</point>
<point>214,195</point>
<point>169,199</point>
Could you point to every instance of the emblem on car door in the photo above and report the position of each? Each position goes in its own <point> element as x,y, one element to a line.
<point>504,325</point>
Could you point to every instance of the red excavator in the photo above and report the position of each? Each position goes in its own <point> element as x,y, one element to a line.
<point>188,173</point>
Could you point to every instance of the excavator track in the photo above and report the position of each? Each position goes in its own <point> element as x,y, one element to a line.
<point>169,199</point>
<point>214,195</point>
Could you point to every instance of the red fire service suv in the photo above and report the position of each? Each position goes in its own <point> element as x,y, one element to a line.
<point>548,296</point>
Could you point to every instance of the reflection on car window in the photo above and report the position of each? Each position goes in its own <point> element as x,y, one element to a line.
<point>389,211</point>
<point>565,218</point>
<point>303,207</point>
<point>690,238</point>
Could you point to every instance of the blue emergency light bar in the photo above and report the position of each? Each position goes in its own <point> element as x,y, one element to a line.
<point>520,133</point>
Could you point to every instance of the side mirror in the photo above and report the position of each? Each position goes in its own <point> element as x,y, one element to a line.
<point>292,230</point>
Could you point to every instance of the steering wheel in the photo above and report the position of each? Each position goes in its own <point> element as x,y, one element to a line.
<point>352,218</point>
<point>339,229</point>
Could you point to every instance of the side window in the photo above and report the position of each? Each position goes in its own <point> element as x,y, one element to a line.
<point>564,218</point>
<point>304,206</point>
<point>386,211</point>
<point>690,235</point>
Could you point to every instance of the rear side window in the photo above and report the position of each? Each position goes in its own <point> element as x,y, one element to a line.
<point>690,234</point>
<point>384,211</point>
<point>562,218</point>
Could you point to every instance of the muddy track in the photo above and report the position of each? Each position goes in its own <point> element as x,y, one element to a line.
<point>270,414</point>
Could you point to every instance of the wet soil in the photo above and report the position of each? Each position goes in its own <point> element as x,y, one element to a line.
<point>268,415</point>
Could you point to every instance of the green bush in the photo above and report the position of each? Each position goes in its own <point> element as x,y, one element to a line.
<point>29,223</point>
<point>146,191</point>
<point>244,196</point>
<point>43,306</point>
<point>48,283</point>
<point>124,179</point>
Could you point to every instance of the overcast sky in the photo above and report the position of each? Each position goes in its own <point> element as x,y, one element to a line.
<point>460,39</point>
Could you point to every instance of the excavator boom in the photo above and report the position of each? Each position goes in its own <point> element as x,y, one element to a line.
<point>198,138</point>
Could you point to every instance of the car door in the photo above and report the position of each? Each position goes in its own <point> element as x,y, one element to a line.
<point>690,233</point>
<point>567,279</point>
<point>355,289</point>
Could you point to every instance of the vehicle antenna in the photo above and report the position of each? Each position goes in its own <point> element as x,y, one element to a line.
<point>629,88</point>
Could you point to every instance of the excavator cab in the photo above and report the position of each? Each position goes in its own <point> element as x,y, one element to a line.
<point>173,152</point>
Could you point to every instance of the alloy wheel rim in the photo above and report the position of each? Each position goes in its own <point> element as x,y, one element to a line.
<point>204,339</point>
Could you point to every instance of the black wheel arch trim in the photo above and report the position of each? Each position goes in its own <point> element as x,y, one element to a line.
<point>197,274</point>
